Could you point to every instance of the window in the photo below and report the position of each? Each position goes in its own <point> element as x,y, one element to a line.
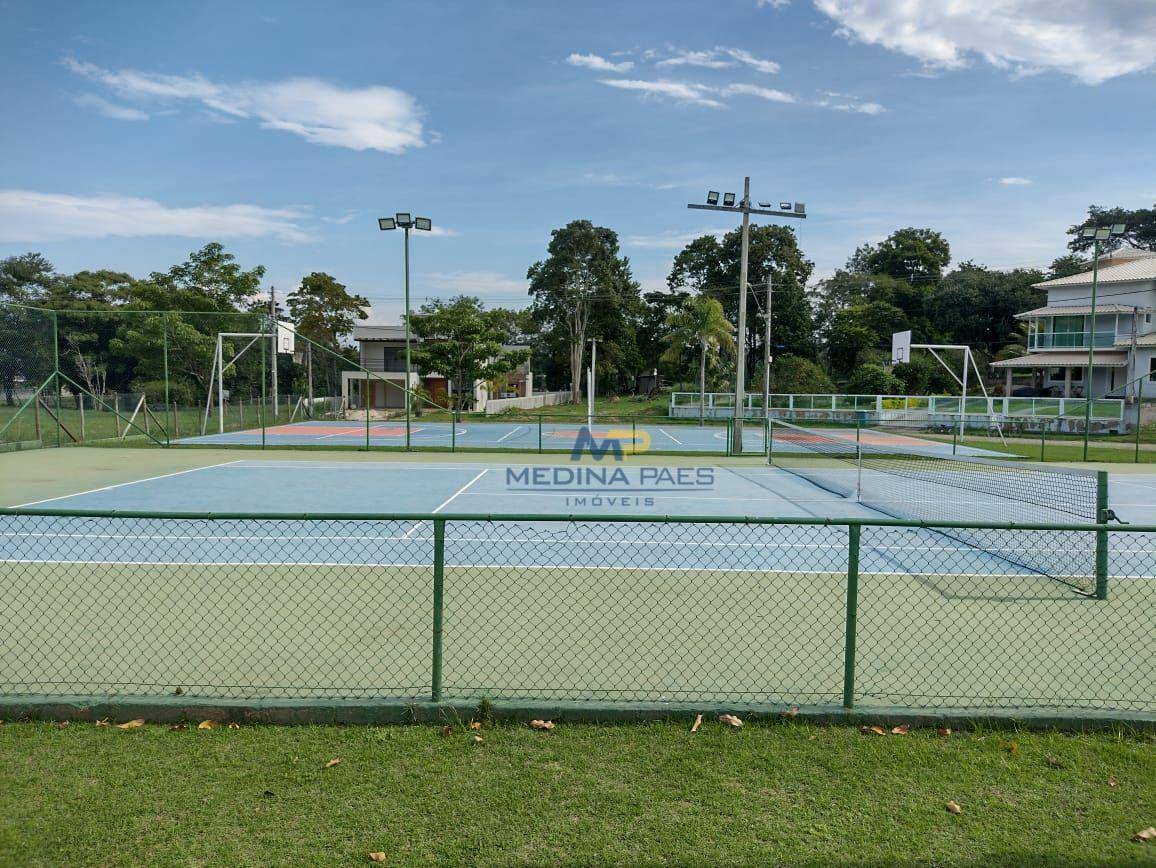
<point>1147,319</point>
<point>1152,369</point>
<point>1077,375</point>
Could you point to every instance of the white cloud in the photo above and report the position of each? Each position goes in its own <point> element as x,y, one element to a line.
<point>109,109</point>
<point>679,91</point>
<point>757,63</point>
<point>1091,40</point>
<point>672,240</point>
<point>343,219</point>
<point>705,59</point>
<point>370,118</point>
<point>599,64</point>
<point>479,283</point>
<point>842,102</point>
<point>439,232</point>
<point>1015,182</point>
<point>766,93</point>
<point>27,216</point>
<point>774,4</point>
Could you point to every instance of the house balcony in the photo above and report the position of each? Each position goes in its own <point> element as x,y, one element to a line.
<point>1070,340</point>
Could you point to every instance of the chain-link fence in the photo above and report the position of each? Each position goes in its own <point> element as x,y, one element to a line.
<point>869,614</point>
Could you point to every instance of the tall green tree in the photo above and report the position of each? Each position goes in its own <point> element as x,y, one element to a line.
<point>324,312</point>
<point>711,266</point>
<point>905,253</point>
<point>700,324</point>
<point>583,282</point>
<point>463,341</point>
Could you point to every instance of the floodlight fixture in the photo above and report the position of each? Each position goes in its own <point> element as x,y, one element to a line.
<point>729,200</point>
<point>784,206</point>
<point>1103,234</point>
<point>1119,228</point>
<point>712,197</point>
<point>764,204</point>
<point>1089,232</point>
<point>404,219</point>
<point>386,223</point>
<point>800,207</point>
<point>423,223</point>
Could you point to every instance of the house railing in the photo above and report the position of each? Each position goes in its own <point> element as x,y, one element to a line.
<point>1070,340</point>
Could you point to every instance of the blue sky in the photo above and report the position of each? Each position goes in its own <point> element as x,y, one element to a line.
<point>137,131</point>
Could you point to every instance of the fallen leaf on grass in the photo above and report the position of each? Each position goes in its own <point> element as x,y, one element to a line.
<point>730,720</point>
<point>475,724</point>
<point>944,732</point>
<point>447,731</point>
<point>103,722</point>
<point>1112,782</point>
<point>872,730</point>
<point>232,724</point>
<point>178,727</point>
<point>207,724</point>
<point>332,763</point>
<point>1012,747</point>
<point>1145,835</point>
<point>62,725</point>
<point>697,723</point>
<point>902,729</point>
<point>131,724</point>
<point>377,857</point>
<point>793,711</point>
<point>542,724</point>
<point>478,739</point>
<point>953,807</point>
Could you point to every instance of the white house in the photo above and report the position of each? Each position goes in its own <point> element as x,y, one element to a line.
<point>381,377</point>
<point>1120,330</point>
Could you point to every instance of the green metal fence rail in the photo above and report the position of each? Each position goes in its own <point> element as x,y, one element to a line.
<point>627,611</point>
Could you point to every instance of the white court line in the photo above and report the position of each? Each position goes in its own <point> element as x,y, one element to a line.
<point>123,484</point>
<point>671,436</point>
<point>447,501</point>
<point>511,434</point>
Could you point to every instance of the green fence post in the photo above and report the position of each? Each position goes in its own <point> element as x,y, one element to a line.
<point>365,402</point>
<point>539,433</point>
<point>56,368</point>
<point>633,435</point>
<point>853,532</point>
<point>261,416</point>
<point>168,406</point>
<point>1043,437</point>
<point>439,568</point>
<point>1102,535</point>
<point>770,442</point>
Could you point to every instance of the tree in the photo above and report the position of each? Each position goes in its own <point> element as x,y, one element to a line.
<point>873,380</point>
<point>1066,266</point>
<point>700,323</point>
<point>977,306</point>
<point>210,279</point>
<point>463,341</point>
<point>324,312</point>
<point>582,272</point>
<point>26,336</point>
<point>799,376</point>
<point>926,250</point>
<point>25,279</point>
<point>1141,231</point>
<point>712,267</point>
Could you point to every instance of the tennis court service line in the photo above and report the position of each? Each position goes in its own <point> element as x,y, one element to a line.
<point>662,431</point>
<point>460,491</point>
<point>130,482</point>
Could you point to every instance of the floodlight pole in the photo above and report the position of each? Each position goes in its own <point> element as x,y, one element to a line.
<point>744,208</point>
<point>453,419</point>
<point>273,323</point>
<point>767,354</point>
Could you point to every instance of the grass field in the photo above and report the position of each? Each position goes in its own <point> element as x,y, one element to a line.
<point>645,794</point>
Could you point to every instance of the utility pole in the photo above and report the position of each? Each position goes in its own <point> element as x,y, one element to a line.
<point>767,353</point>
<point>786,209</point>
<point>273,318</point>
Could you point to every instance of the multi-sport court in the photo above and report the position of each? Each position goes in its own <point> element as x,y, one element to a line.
<point>536,607</point>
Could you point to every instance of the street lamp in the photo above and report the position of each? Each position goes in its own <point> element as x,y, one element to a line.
<point>405,221</point>
<point>1095,234</point>
<point>787,209</point>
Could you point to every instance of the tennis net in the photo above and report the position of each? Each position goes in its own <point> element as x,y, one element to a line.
<point>904,482</point>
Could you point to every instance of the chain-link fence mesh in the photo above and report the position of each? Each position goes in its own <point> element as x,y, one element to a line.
<point>820,613</point>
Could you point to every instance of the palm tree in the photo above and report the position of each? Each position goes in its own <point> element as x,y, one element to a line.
<point>701,323</point>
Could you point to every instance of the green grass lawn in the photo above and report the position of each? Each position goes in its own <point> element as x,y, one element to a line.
<point>637,794</point>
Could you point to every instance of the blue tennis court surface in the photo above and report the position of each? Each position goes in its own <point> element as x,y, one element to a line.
<point>337,487</point>
<point>548,436</point>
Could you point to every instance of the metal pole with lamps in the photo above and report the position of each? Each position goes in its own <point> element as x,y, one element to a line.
<point>787,209</point>
<point>1096,234</point>
<point>405,221</point>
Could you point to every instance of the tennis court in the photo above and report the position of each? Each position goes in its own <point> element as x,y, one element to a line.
<point>589,609</point>
<point>549,434</point>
